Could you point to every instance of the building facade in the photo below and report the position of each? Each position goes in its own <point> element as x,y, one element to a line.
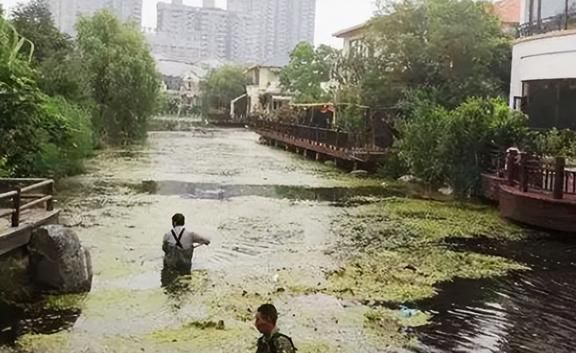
<point>275,27</point>
<point>191,33</point>
<point>67,12</point>
<point>543,80</point>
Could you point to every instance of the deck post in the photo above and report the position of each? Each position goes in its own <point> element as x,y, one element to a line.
<point>16,200</point>
<point>559,165</point>
<point>511,166</point>
<point>523,172</point>
<point>50,203</point>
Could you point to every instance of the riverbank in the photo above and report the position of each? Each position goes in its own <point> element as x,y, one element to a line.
<point>369,251</point>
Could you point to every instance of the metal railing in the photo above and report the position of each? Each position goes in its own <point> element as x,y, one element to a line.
<point>331,138</point>
<point>24,194</point>
<point>559,22</point>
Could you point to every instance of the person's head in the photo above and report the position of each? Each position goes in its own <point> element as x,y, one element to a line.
<point>266,318</point>
<point>178,220</point>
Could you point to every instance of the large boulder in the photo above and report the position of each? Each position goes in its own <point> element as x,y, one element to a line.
<point>58,262</point>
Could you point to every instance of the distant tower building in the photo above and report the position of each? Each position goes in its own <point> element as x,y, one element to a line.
<point>67,12</point>
<point>275,27</point>
<point>206,32</point>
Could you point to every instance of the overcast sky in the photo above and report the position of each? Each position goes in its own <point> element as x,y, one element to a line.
<point>331,15</point>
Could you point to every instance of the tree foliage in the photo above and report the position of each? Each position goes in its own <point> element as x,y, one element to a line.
<point>121,76</point>
<point>220,87</point>
<point>33,21</point>
<point>452,147</point>
<point>33,125</point>
<point>307,69</point>
<point>59,68</point>
<point>454,48</point>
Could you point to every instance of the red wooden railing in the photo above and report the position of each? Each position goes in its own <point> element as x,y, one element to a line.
<point>535,174</point>
<point>335,139</point>
<point>25,194</point>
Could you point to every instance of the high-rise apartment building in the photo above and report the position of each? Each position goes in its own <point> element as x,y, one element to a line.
<point>191,33</point>
<point>276,27</point>
<point>67,12</point>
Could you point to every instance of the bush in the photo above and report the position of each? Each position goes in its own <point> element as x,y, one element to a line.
<point>420,145</point>
<point>553,143</point>
<point>63,153</point>
<point>452,147</point>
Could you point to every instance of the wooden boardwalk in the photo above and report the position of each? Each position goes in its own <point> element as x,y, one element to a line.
<point>323,143</point>
<point>25,204</point>
<point>532,191</point>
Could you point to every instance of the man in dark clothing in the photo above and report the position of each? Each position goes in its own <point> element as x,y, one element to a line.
<point>272,341</point>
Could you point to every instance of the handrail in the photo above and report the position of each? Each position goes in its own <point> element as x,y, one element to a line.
<point>532,174</point>
<point>8,195</point>
<point>562,21</point>
<point>335,139</point>
<point>37,186</point>
<point>23,193</point>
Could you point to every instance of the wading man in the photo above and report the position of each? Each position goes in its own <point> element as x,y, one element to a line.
<point>179,245</point>
<point>272,341</point>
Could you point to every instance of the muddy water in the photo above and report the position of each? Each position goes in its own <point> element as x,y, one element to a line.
<point>269,216</point>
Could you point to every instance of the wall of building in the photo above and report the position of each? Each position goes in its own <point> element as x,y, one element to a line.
<point>548,56</point>
<point>276,27</point>
<point>67,12</point>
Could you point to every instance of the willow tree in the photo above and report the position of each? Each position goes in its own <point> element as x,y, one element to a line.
<point>122,76</point>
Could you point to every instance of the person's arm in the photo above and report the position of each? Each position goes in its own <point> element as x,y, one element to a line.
<point>165,244</point>
<point>198,239</point>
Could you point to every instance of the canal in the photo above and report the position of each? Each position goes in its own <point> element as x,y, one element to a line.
<point>342,259</point>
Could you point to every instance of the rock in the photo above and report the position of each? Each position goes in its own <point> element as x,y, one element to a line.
<point>407,178</point>
<point>58,261</point>
<point>446,191</point>
<point>359,173</point>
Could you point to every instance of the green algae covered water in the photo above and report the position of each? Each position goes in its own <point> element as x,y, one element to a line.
<point>338,256</point>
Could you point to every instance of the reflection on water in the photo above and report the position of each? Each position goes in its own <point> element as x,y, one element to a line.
<point>16,321</point>
<point>525,312</point>
<point>211,191</point>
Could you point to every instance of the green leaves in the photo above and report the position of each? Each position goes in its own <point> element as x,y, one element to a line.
<point>220,87</point>
<point>122,77</point>
<point>307,69</point>
<point>455,47</point>
<point>451,147</point>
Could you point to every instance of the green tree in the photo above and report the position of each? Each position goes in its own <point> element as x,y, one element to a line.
<point>34,22</point>
<point>307,69</point>
<point>121,75</point>
<point>60,70</point>
<point>40,135</point>
<point>220,87</point>
<point>452,147</point>
<point>454,48</point>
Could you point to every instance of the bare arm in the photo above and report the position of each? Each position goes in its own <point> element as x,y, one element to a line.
<point>198,239</point>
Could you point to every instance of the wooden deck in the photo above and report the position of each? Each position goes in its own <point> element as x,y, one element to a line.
<point>25,204</point>
<point>534,192</point>
<point>12,238</point>
<point>324,143</point>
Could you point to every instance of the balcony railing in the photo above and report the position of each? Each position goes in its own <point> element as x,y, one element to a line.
<point>559,22</point>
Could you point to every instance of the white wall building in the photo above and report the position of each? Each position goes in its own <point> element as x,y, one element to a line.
<point>543,82</point>
<point>67,12</point>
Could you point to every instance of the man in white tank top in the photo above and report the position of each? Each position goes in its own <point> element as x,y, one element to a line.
<point>179,244</point>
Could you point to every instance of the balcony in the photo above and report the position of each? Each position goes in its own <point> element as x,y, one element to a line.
<point>559,22</point>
